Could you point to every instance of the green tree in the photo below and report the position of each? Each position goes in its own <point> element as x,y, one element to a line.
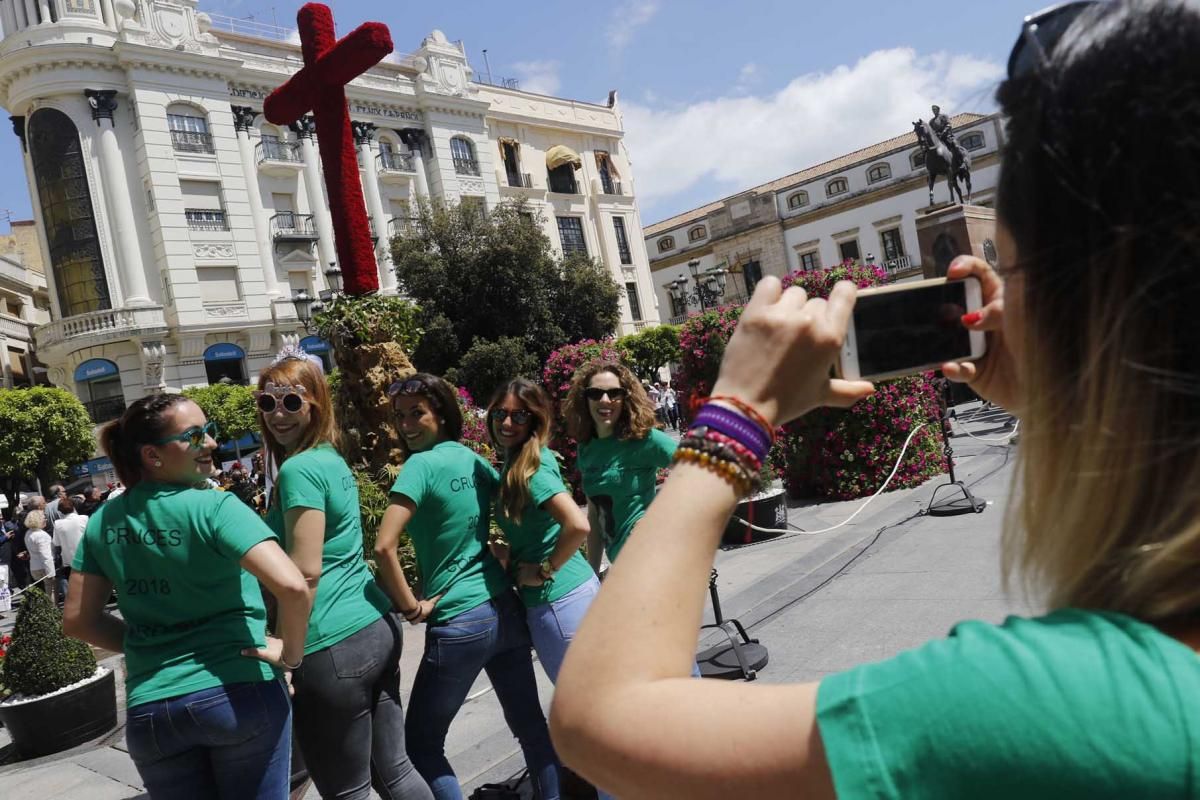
<point>650,349</point>
<point>489,364</point>
<point>230,405</point>
<point>43,432</point>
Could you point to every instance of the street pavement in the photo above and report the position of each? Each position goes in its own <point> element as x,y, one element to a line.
<point>889,580</point>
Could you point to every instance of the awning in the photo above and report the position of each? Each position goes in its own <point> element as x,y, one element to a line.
<point>560,154</point>
<point>513,143</point>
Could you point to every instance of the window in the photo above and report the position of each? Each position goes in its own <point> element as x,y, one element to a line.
<point>635,306</point>
<point>849,250</point>
<point>810,261</point>
<point>189,131</point>
<point>604,166</point>
<point>893,244</point>
<point>836,186</point>
<point>562,179</point>
<point>463,154</point>
<point>622,240</point>
<point>666,243</point>
<point>218,284</point>
<point>751,275</point>
<point>570,233</point>
<point>972,141</point>
<point>201,219</point>
<point>475,204</point>
<point>697,233</point>
<point>678,306</point>
<point>798,200</point>
<point>512,165</point>
<point>879,172</point>
<point>202,205</point>
<point>917,159</point>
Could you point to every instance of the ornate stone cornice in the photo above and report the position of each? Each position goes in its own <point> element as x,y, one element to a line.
<point>413,137</point>
<point>243,117</point>
<point>18,124</point>
<point>103,103</point>
<point>305,127</point>
<point>364,132</point>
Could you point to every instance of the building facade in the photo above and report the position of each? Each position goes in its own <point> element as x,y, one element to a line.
<point>176,224</point>
<point>862,206</point>
<point>24,306</point>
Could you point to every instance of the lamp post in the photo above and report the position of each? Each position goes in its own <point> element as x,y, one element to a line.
<point>304,308</point>
<point>710,286</point>
<point>307,306</point>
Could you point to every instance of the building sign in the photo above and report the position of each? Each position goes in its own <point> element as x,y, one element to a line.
<point>94,369</point>
<point>94,467</point>
<point>224,352</point>
<point>314,344</point>
<point>242,91</point>
<point>390,113</point>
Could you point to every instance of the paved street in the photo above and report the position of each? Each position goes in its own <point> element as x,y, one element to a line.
<point>819,604</point>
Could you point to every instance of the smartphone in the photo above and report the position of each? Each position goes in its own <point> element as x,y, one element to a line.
<point>907,328</point>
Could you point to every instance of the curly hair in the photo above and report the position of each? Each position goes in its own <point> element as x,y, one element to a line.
<point>637,412</point>
<point>524,464</point>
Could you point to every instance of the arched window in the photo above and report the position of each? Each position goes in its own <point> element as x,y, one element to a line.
<point>972,141</point>
<point>917,159</point>
<point>879,172</point>
<point>836,186</point>
<point>98,385</point>
<point>62,188</point>
<point>798,200</point>
<point>666,243</point>
<point>189,129</point>
<point>697,233</point>
<point>463,153</point>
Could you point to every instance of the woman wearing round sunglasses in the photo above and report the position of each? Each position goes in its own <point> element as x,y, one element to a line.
<point>620,451</point>
<point>541,522</point>
<point>349,721</point>
<point>208,715</point>
<point>1092,333</point>
<point>474,621</point>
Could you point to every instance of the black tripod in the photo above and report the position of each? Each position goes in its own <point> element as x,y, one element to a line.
<point>960,501</point>
<point>742,657</point>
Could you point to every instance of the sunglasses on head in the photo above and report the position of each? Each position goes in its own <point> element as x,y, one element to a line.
<point>595,393</point>
<point>408,387</point>
<point>521,417</point>
<point>195,436</point>
<point>1040,33</point>
<point>272,396</point>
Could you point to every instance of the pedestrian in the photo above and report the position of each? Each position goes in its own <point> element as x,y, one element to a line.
<point>349,723</point>
<point>91,501</point>
<point>208,710</point>
<point>20,552</point>
<point>620,452</point>
<point>543,526</point>
<point>474,620</point>
<point>670,404</point>
<point>67,533</point>
<point>1091,330</point>
<point>41,552</point>
<point>57,492</point>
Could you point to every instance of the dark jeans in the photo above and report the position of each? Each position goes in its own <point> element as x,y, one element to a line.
<point>228,742</point>
<point>349,722</point>
<point>63,576</point>
<point>491,637</point>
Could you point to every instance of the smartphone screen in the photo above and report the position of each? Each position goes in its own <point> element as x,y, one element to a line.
<point>898,330</point>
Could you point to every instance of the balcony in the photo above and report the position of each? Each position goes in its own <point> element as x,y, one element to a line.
<point>191,142</point>
<point>105,410</point>
<point>611,187</point>
<point>559,185</point>
<point>520,180</point>
<point>203,219</point>
<point>15,328</point>
<point>97,327</point>
<point>395,162</point>
<point>279,159</point>
<point>466,166</point>
<point>401,226</point>
<point>895,266</point>
<point>288,226</point>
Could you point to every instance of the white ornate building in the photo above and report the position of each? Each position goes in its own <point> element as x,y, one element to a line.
<point>176,224</point>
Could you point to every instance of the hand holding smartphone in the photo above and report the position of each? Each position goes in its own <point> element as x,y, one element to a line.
<point>903,329</point>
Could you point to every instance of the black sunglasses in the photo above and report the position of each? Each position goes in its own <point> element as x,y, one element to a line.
<point>518,417</point>
<point>595,393</point>
<point>408,387</point>
<point>291,402</point>
<point>1040,32</point>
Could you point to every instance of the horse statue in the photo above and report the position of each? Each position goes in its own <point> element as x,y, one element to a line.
<point>940,161</point>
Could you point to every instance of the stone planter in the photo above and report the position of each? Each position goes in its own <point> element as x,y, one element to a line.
<point>59,721</point>
<point>766,510</point>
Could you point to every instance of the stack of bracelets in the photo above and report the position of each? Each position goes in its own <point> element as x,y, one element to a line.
<point>733,444</point>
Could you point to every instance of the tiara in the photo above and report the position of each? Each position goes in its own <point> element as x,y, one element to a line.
<point>296,351</point>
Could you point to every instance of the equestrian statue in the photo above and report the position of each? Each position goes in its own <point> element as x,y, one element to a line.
<point>944,155</point>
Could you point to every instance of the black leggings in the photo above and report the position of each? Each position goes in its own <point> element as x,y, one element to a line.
<point>348,721</point>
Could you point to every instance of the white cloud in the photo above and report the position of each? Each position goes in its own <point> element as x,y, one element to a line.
<point>733,143</point>
<point>629,16</point>
<point>540,77</point>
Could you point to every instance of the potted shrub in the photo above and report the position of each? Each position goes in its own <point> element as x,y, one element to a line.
<point>57,697</point>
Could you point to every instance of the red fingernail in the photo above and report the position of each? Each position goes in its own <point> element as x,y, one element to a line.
<point>972,318</point>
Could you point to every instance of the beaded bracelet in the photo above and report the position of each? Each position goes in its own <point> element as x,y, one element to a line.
<point>749,410</point>
<point>730,471</point>
<point>743,452</point>
<point>722,451</point>
<point>735,426</point>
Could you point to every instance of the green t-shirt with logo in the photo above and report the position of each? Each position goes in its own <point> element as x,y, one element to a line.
<point>620,477</point>
<point>1076,705</point>
<point>348,599</point>
<point>451,487</point>
<point>173,554</point>
<point>534,539</point>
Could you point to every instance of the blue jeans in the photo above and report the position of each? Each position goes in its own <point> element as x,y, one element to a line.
<point>552,626</point>
<point>492,637</point>
<point>225,742</point>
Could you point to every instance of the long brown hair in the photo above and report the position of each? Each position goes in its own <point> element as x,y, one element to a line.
<point>321,427</point>
<point>514,489</point>
<point>145,420</point>
<point>637,412</point>
<point>443,401</point>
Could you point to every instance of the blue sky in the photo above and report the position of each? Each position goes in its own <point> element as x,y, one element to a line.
<point>718,96</point>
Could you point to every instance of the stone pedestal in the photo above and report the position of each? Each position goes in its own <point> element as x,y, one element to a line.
<point>944,232</point>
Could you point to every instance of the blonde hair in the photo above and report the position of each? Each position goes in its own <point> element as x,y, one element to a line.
<point>637,412</point>
<point>514,494</point>
<point>321,427</point>
<point>35,520</point>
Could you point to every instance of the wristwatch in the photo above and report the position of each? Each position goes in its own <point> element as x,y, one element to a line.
<point>546,570</point>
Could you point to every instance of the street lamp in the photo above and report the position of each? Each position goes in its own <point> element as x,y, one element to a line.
<point>710,286</point>
<point>304,308</point>
<point>307,306</point>
<point>333,277</point>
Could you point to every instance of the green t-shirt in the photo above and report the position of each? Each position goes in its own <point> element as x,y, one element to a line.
<point>1076,704</point>
<point>451,487</point>
<point>172,554</point>
<point>620,477</point>
<point>348,599</point>
<point>535,538</point>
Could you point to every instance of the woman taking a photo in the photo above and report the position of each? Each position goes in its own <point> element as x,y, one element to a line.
<point>208,713</point>
<point>349,721</point>
<point>620,452</point>
<point>543,526</point>
<point>1092,341</point>
<point>474,621</point>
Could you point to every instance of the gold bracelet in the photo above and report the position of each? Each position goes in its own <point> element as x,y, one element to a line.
<point>730,471</point>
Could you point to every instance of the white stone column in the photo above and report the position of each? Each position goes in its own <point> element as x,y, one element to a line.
<point>364,132</point>
<point>108,16</point>
<point>415,139</point>
<point>120,206</point>
<point>30,8</point>
<point>8,17</point>
<point>243,119</point>
<point>315,188</point>
<point>43,11</point>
